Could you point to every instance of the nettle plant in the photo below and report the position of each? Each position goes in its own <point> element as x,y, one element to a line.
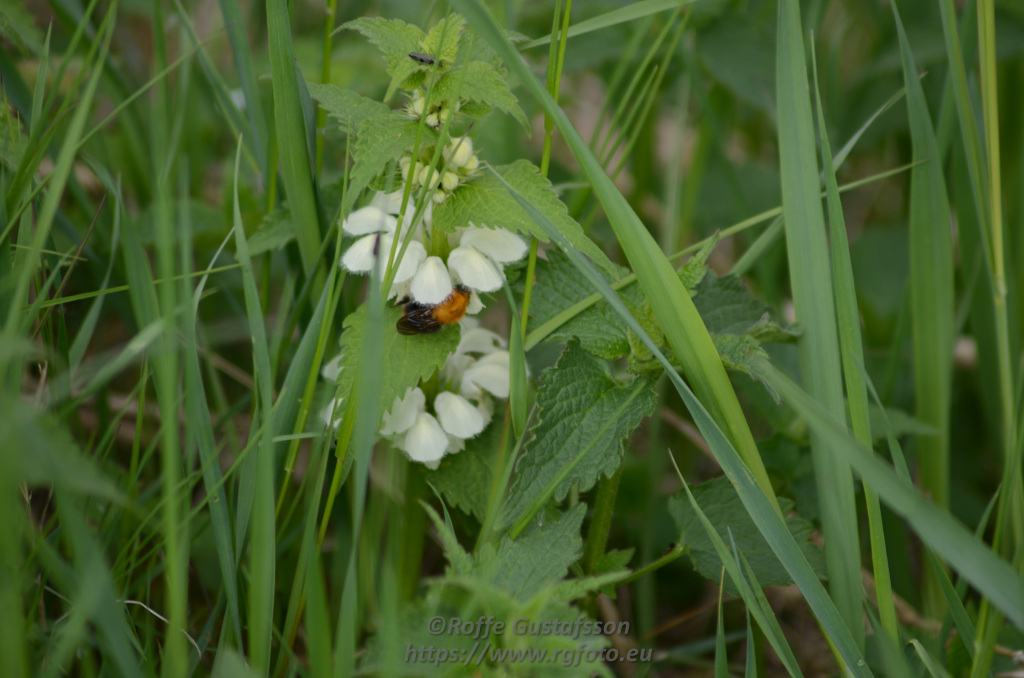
<point>445,235</point>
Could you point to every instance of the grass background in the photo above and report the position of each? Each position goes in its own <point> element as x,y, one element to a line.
<point>158,376</point>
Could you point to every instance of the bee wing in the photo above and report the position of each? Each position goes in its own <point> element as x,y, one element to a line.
<point>417,319</point>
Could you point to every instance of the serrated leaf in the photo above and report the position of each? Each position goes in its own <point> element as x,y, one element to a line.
<point>600,330</point>
<point>464,479</point>
<point>612,561</point>
<point>695,268</point>
<point>727,307</point>
<point>540,556</point>
<point>738,353</point>
<point>405,359</point>
<point>584,417</point>
<point>349,108</point>
<point>442,42</point>
<point>381,140</point>
<point>273,233</point>
<point>485,202</point>
<point>480,82</point>
<point>393,37</point>
<point>723,507</point>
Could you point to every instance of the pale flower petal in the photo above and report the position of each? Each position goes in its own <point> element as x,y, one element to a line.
<point>479,340</point>
<point>414,255</point>
<point>475,305</point>
<point>475,270</point>
<point>455,444</point>
<point>431,284</point>
<point>425,441</point>
<point>457,415</point>
<point>490,373</point>
<point>501,245</point>
<point>328,413</point>
<point>403,412</point>
<point>369,219</point>
<point>359,257</point>
<point>332,368</point>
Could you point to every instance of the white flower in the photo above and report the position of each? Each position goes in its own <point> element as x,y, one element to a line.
<point>458,416</point>
<point>369,219</point>
<point>490,374</point>
<point>479,340</point>
<point>459,152</point>
<point>497,243</point>
<point>360,256</point>
<point>431,284</point>
<point>426,440</point>
<point>475,270</point>
<point>403,412</point>
<point>332,368</point>
<point>327,414</point>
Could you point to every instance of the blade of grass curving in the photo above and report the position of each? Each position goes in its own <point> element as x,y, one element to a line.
<point>262,559</point>
<point>757,503</point>
<point>811,283</point>
<point>198,412</point>
<point>949,539</point>
<point>756,604</point>
<point>684,329</point>
<point>721,657</point>
<point>615,17</point>
<point>289,122</point>
<point>852,348</point>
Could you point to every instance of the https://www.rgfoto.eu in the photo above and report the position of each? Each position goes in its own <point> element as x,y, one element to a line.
<point>483,649</point>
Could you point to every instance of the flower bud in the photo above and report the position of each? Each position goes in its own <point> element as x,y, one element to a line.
<point>450,181</point>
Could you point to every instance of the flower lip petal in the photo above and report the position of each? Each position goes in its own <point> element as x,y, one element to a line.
<point>426,441</point>
<point>369,219</point>
<point>479,340</point>
<point>359,257</point>
<point>457,415</point>
<point>475,270</point>
<point>501,245</point>
<point>432,284</point>
<point>414,255</point>
<point>403,412</point>
<point>490,373</point>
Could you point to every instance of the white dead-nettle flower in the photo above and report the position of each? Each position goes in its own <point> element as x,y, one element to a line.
<point>476,259</point>
<point>468,382</point>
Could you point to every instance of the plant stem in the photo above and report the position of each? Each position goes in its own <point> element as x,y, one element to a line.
<point>601,522</point>
<point>410,553</point>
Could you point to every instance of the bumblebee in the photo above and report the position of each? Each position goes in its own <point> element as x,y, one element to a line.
<point>420,318</point>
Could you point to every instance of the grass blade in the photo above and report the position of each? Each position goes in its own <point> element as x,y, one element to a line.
<point>811,282</point>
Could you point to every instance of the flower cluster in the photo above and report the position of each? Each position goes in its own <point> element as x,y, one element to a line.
<point>459,164</point>
<point>437,115</point>
<point>476,256</point>
<point>471,377</point>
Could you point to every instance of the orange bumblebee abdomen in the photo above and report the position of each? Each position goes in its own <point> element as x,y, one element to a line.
<point>451,310</point>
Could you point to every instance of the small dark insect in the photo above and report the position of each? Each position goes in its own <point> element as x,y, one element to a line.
<point>421,58</point>
<point>420,318</point>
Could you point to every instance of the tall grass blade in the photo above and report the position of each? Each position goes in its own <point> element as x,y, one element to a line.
<point>811,282</point>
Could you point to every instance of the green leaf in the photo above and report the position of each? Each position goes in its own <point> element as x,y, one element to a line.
<point>12,138</point>
<point>349,108</point>
<point>442,42</point>
<point>726,512</point>
<point>727,307</point>
<point>381,140</point>
<point>540,556</point>
<point>273,233</point>
<point>405,359</point>
<point>485,202</point>
<point>598,328</point>
<point>585,415</point>
<point>464,479</point>
<point>479,82</point>
<point>393,37</point>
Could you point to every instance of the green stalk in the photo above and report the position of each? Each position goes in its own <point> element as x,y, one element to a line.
<point>601,521</point>
<point>414,529</point>
<point>325,77</point>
